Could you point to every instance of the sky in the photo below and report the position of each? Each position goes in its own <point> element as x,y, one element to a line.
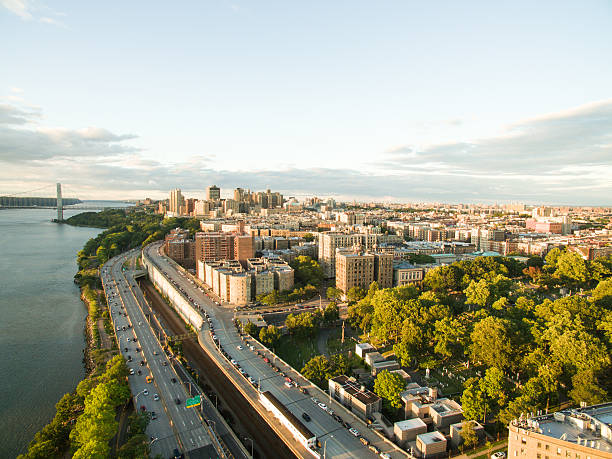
<point>435,101</point>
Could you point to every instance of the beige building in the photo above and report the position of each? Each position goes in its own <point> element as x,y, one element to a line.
<point>408,430</point>
<point>213,193</point>
<point>353,269</point>
<point>356,398</point>
<point>176,202</point>
<point>423,402</point>
<point>431,444</point>
<point>584,433</point>
<point>359,269</point>
<point>405,273</point>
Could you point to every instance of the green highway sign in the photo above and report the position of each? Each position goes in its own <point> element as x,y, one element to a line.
<point>195,401</point>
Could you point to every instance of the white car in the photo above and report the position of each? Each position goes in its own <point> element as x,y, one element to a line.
<point>323,406</point>
<point>354,431</point>
<point>145,392</point>
<point>239,347</point>
<point>498,455</point>
<point>156,397</point>
<point>233,362</point>
<point>131,371</point>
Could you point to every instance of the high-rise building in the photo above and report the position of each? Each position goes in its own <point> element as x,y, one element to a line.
<point>354,269</point>
<point>213,246</point>
<point>176,202</point>
<point>243,249</point>
<point>213,193</point>
<point>328,243</point>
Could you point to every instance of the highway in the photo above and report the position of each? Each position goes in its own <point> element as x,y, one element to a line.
<point>175,427</point>
<point>335,439</point>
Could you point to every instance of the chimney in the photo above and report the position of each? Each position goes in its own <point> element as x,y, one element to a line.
<point>433,393</point>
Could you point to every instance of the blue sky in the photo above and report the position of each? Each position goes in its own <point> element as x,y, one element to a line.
<point>396,100</point>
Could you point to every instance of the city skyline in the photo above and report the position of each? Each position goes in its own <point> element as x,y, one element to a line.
<point>368,103</point>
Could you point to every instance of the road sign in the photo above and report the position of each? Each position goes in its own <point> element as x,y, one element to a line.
<point>195,401</point>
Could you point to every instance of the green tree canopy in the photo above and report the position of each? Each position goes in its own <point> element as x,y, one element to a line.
<point>389,386</point>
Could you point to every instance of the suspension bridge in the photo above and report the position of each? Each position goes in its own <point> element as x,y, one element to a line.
<point>20,200</point>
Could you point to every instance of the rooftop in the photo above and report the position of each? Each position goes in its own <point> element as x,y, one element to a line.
<point>431,437</point>
<point>354,390</point>
<point>410,424</point>
<point>589,426</point>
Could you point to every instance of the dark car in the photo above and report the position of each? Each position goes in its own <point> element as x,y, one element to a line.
<point>303,390</point>
<point>178,401</point>
<point>126,349</point>
<point>142,362</point>
<point>306,417</point>
<point>173,380</point>
<point>129,358</point>
<point>139,372</point>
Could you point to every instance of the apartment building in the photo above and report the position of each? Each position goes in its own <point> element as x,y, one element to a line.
<point>180,247</point>
<point>213,193</point>
<point>328,243</point>
<point>356,398</point>
<point>584,433</point>
<point>405,273</point>
<point>360,269</point>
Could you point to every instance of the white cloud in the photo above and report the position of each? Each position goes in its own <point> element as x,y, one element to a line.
<point>536,161</point>
<point>22,8</point>
<point>32,9</point>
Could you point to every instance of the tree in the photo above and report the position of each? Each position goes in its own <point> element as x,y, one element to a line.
<point>355,294</point>
<point>470,438</point>
<point>333,293</point>
<point>251,329</point>
<point>389,386</point>
<point>308,237</point>
<point>586,388</point>
<point>491,343</point>
<point>444,278</point>
<point>572,269</point>
<point>450,336</point>
<point>269,335</point>
<point>331,313</point>
<point>318,369</point>
<point>307,271</point>
<point>473,400</point>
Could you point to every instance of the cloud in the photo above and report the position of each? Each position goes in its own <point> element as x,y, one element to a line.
<point>21,140</point>
<point>32,9</point>
<point>22,8</point>
<point>538,146</point>
<point>534,161</point>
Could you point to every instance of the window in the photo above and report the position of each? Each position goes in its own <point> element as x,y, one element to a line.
<point>523,440</point>
<point>539,444</point>
<point>558,451</point>
<point>547,447</point>
<point>538,456</point>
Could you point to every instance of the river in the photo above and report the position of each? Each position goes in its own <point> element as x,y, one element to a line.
<point>41,320</point>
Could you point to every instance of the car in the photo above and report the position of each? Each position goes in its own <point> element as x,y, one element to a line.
<point>137,349</point>
<point>143,408</point>
<point>126,349</point>
<point>304,390</point>
<point>153,415</point>
<point>128,340</point>
<point>287,384</point>
<point>498,455</point>
<point>239,347</point>
<point>145,392</point>
<point>132,371</point>
<point>164,363</point>
<point>155,353</point>
<point>347,425</point>
<point>118,328</point>
<point>266,359</point>
<point>330,411</point>
<point>139,372</point>
<point>241,370</point>
<point>323,406</point>
<point>354,431</point>
<point>142,363</point>
<point>173,380</point>
<point>214,337</point>
<point>374,449</point>
<point>306,417</point>
<point>233,362</point>
<point>177,401</point>
<point>337,418</point>
<point>365,441</point>
<point>135,339</point>
<point>314,399</point>
<point>129,358</point>
<point>385,456</point>
<point>155,397</point>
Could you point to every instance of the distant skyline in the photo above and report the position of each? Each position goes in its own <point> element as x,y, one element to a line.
<point>395,101</point>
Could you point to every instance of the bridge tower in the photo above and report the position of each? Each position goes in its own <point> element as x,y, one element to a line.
<point>60,204</point>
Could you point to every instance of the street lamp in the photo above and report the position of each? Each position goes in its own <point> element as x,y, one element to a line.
<point>325,446</point>
<point>136,398</point>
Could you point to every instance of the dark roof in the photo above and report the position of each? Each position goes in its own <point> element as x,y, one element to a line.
<point>306,433</point>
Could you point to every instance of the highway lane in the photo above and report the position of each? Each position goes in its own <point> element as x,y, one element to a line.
<point>186,425</point>
<point>338,441</point>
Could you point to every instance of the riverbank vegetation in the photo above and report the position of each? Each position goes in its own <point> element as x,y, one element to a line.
<point>84,421</point>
